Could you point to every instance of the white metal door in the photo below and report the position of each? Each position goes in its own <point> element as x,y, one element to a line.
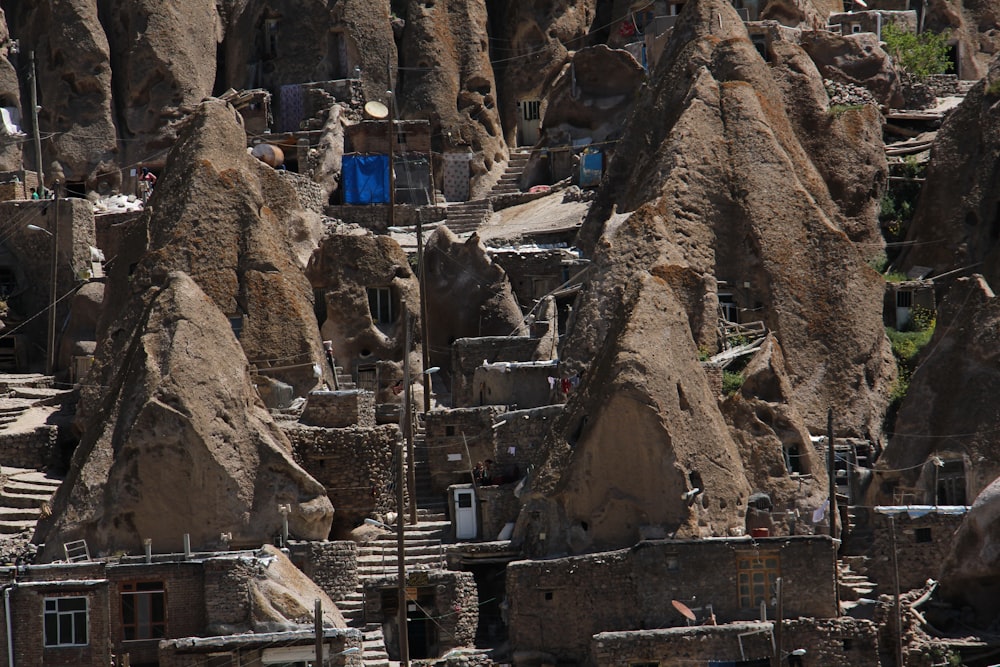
<point>465,514</point>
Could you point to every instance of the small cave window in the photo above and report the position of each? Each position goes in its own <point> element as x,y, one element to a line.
<point>449,430</point>
<point>548,595</point>
<point>380,302</point>
<point>793,459</point>
<point>922,536</point>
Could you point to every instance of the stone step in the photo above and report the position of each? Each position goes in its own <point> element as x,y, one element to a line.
<point>22,500</point>
<point>20,513</point>
<point>385,560</point>
<point>15,527</point>
<point>14,486</point>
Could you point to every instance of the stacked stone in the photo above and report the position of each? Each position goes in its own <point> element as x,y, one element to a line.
<point>847,94</point>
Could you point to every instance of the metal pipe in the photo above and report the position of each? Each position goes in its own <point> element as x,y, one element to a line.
<point>34,126</point>
<point>10,636</point>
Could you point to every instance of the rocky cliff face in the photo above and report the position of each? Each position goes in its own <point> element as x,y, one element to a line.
<point>180,442</point>
<point>957,223</point>
<point>736,197</point>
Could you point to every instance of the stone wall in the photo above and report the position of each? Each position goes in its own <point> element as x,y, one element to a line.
<point>36,448</point>
<point>354,464</point>
<point>534,272</point>
<point>332,565</point>
<point>557,605</point>
<point>340,409</point>
<point>520,435</point>
<point>248,649</point>
<point>447,596</point>
<point>375,217</point>
<point>922,544</point>
<point>469,353</point>
<point>311,195</point>
<point>448,433</point>
<point>836,642</point>
<point>518,384</point>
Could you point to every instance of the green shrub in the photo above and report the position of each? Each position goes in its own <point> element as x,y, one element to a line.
<point>838,110</point>
<point>993,88</point>
<point>731,382</point>
<point>920,55</point>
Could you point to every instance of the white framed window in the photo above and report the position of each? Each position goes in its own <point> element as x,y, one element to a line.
<point>65,621</point>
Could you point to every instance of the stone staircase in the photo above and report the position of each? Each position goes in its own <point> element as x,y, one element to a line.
<point>23,495</point>
<point>509,183</point>
<point>344,379</point>
<point>858,594</point>
<point>467,217</point>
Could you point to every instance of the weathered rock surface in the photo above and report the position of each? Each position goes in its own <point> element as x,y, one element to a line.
<point>467,294</point>
<point>79,335</point>
<point>974,26</point>
<point>857,59</point>
<point>10,151</point>
<point>642,429</point>
<point>180,442</point>
<point>74,89</point>
<point>452,82</point>
<point>344,269</point>
<point>278,596</point>
<point>957,223</point>
<point>533,43</point>
<point>969,574</point>
<point>769,430</point>
<point>226,219</point>
<point>806,14</point>
<point>164,62</point>
<point>725,187</point>
<point>951,392</point>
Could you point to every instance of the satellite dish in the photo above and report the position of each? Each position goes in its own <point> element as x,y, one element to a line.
<point>376,110</point>
<point>683,609</point>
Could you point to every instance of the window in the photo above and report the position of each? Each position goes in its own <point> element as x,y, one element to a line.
<point>904,299</point>
<point>755,576</point>
<point>65,621</point>
<point>380,304</point>
<point>144,610</point>
<point>922,535</point>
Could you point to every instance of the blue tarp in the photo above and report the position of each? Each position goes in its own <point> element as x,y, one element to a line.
<point>591,168</point>
<point>365,179</point>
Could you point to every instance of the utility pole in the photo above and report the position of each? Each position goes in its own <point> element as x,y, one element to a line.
<point>404,642</point>
<point>318,625</point>
<point>392,144</point>
<point>895,578</point>
<point>778,623</point>
<point>831,472</point>
<point>50,365</point>
<point>34,126</point>
<point>425,343</point>
<point>411,476</point>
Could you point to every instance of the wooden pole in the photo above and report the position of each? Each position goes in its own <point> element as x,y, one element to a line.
<point>895,579</point>
<point>831,472</point>
<point>36,135</point>
<point>50,364</point>
<point>404,648</point>
<point>392,146</point>
<point>778,623</point>
<point>425,342</point>
<point>318,624</point>
<point>411,475</point>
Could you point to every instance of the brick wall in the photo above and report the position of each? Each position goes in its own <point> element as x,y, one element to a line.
<point>332,565</point>
<point>469,353</point>
<point>354,464</point>
<point>835,642</point>
<point>557,605</point>
<point>340,409</point>
<point>227,593</point>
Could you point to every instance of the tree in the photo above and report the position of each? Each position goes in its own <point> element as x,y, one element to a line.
<point>920,55</point>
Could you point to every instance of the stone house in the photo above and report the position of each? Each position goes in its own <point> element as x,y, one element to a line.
<point>366,162</point>
<point>558,605</point>
<point>88,613</point>
<point>921,537</point>
<point>852,23</point>
<point>901,299</point>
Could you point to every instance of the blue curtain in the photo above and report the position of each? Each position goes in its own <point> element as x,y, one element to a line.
<point>365,179</point>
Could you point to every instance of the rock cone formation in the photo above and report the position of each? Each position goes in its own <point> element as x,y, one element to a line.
<point>725,186</point>
<point>949,410</point>
<point>600,490</point>
<point>181,442</point>
<point>223,218</point>
<point>969,575</point>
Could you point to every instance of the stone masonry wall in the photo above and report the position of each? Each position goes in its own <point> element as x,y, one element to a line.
<point>469,353</point>
<point>340,409</point>
<point>332,565</point>
<point>32,449</point>
<point>557,605</point>
<point>354,464</point>
<point>922,544</point>
<point>835,642</point>
<point>448,433</point>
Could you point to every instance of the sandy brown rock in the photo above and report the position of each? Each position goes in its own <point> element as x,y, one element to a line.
<point>857,59</point>
<point>951,392</point>
<point>730,192</point>
<point>768,430</point>
<point>974,26</point>
<point>642,429</point>
<point>181,442</point>
<point>806,14</point>
<point>957,223</point>
<point>343,269</point>
<point>164,62</point>
<point>452,82</point>
<point>969,574</point>
<point>534,41</point>
<point>10,151</point>
<point>226,219</point>
<point>467,294</point>
<point>74,90</point>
